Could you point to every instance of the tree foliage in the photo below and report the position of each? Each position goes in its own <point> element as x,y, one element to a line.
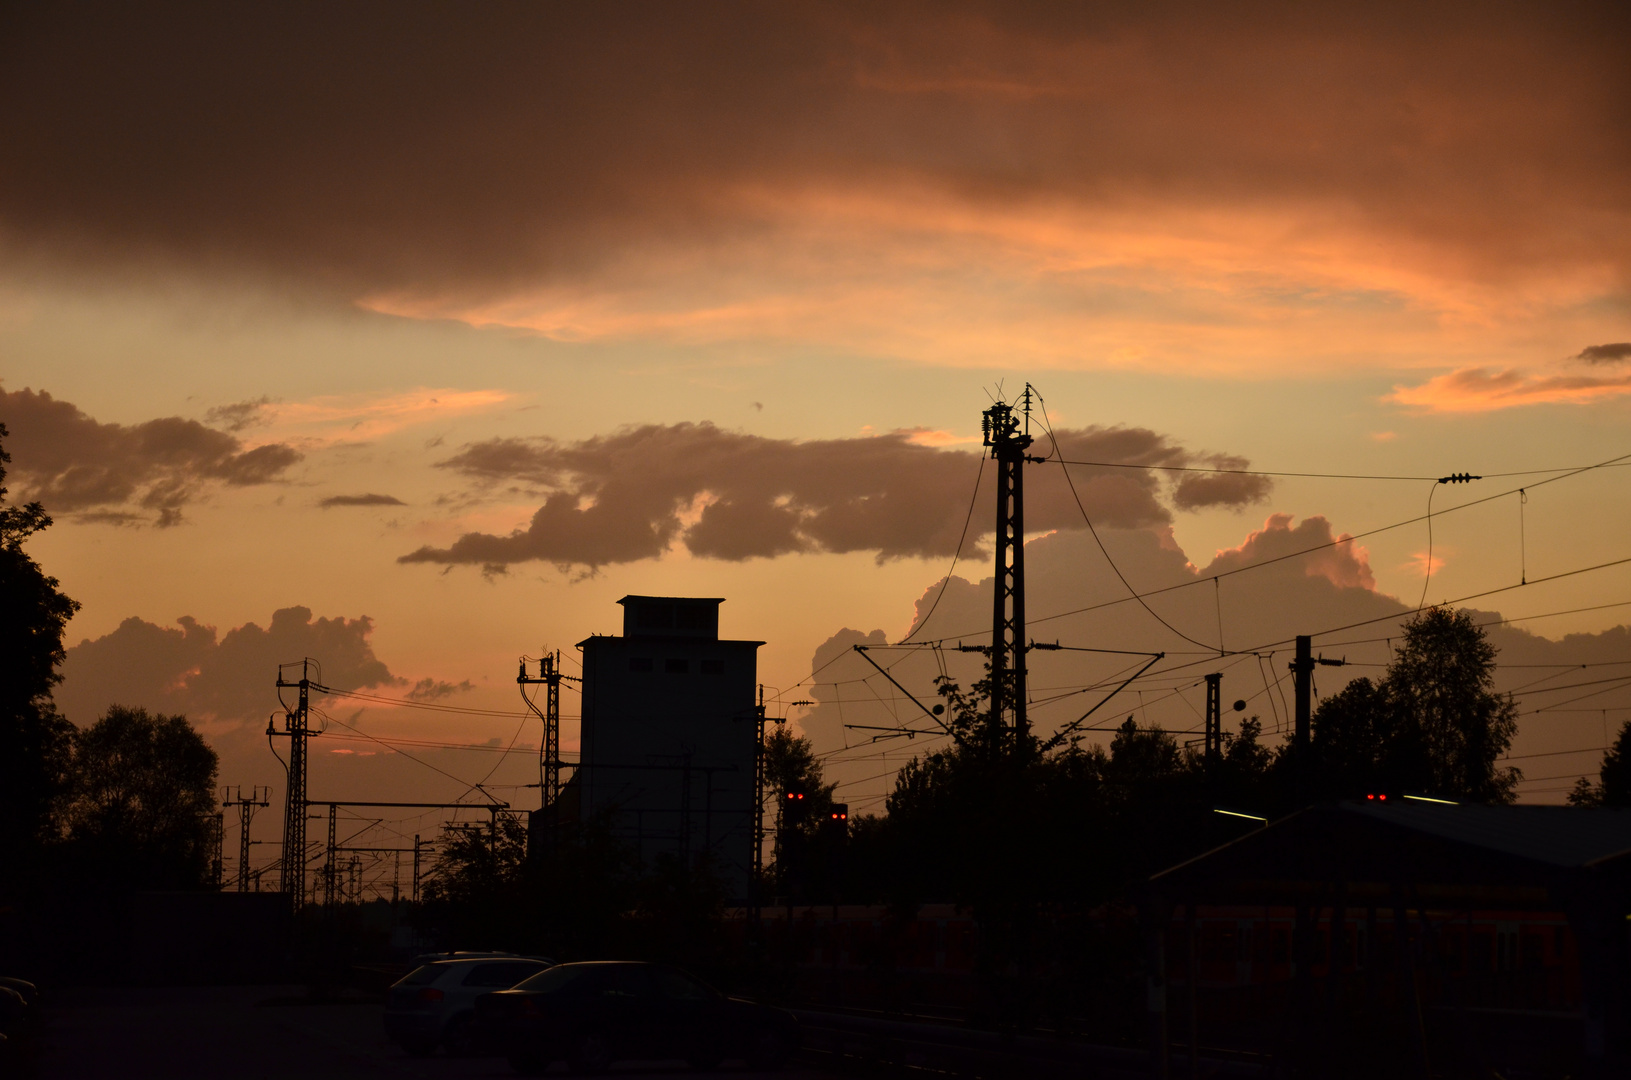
<point>1433,724</point>
<point>803,862</point>
<point>140,801</point>
<point>34,739</point>
<point>1613,786</point>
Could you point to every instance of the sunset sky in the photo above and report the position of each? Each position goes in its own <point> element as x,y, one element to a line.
<point>410,337</point>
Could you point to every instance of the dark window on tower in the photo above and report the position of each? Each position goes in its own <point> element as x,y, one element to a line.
<point>639,663</point>
<point>676,667</point>
<point>713,667</point>
<point>656,616</point>
<point>704,617</point>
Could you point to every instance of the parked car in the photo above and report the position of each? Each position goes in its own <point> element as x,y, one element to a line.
<point>434,1004</point>
<point>433,957</point>
<point>30,993</point>
<point>13,1011</point>
<point>594,1014</point>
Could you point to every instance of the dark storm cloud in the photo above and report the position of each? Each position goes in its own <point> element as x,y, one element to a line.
<point>190,668</point>
<point>118,472</point>
<point>730,495</point>
<point>361,500</point>
<point>1191,491</point>
<point>1612,353</point>
<point>377,146</point>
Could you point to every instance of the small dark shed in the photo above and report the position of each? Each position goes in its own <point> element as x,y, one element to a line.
<point>1407,858</point>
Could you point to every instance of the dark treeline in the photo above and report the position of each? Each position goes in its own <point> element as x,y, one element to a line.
<point>983,820</point>
<point>88,816</point>
<point>1027,837</point>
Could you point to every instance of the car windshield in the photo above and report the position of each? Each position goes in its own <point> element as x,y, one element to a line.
<point>419,976</point>
<point>678,986</point>
<point>550,979</point>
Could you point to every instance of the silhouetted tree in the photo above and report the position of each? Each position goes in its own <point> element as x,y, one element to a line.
<point>804,859</point>
<point>1442,687</point>
<point>140,801</point>
<point>478,863</point>
<point>1434,723</point>
<point>34,739</point>
<point>1357,747</point>
<point>1613,786</point>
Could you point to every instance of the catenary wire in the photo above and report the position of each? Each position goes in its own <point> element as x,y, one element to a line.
<point>945,582</point>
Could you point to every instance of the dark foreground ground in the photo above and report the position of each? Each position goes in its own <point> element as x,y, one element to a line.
<point>253,1033</point>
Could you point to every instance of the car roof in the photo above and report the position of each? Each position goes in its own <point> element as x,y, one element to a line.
<point>495,958</point>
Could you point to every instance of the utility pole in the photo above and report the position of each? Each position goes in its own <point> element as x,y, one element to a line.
<point>1302,668</point>
<point>416,868</point>
<point>1008,443</point>
<point>328,865</point>
<point>1214,717</point>
<point>756,900</point>
<point>246,812</point>
<point>219,829</point>
<point>297,729</point>
<point>685,811</point>
<point>549,754</point>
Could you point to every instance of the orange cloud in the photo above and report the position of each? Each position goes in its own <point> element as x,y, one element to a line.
<point>1347,566</point>
<point>350,418</point>
<point>937,437</point>
<point>1483,390</point>
<point>1421,564</point>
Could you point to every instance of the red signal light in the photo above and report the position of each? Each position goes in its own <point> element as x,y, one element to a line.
<point>1372,798</point>
<point>1382,798</point>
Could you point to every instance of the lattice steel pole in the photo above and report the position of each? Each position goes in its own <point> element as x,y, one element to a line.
<point>1008,444</point>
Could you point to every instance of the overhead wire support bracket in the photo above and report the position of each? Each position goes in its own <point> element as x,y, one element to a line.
<point>892,732</point>
<point>1064,732</point>
<point>932,714</point>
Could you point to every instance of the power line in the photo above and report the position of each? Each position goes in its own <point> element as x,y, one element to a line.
<point>1105,551</point>
<point>1238,472</point>
<point>1504,621</point>
<point>1305,475</point>
<point>1469,596</point>
<point>945,582</point>
<point>430,706</point>
<point>1614,461</point>
<point>393,742</point>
